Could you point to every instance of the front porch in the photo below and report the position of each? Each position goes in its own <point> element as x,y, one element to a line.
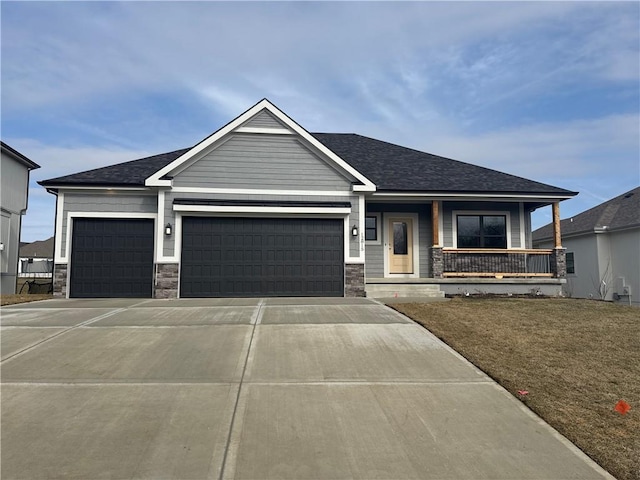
<point>437,239</point>
<point>465,286</point>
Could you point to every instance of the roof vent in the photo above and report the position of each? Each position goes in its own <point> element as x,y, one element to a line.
<point>629,195</point>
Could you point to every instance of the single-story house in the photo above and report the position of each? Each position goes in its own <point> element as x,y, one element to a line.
<point>36,259</point>
<point>262,207</point>
<point>602,250</point>
<point>14,196</point>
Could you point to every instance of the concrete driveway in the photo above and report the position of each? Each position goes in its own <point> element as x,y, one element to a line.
<point>256,389</point>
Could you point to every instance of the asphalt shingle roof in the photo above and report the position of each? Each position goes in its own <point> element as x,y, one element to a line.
<point>395,168</point>
<point>620,212</point>
<point>391,167</point>
<point>132,173</point>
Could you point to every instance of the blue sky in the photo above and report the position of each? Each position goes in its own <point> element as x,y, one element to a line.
<point>545,90</point>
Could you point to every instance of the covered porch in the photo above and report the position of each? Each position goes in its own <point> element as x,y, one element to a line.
<point>444,259</point>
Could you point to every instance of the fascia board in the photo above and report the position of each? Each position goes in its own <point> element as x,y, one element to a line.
<point>474,196</point>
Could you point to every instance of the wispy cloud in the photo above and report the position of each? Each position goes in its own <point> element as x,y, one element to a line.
<point>547,90</point>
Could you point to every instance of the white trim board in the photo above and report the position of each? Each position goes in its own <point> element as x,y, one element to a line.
<point>256,209</point>
<point>263,191</point>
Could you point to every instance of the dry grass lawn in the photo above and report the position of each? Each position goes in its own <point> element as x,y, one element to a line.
<point>22,298</point>
<point>576,358</point>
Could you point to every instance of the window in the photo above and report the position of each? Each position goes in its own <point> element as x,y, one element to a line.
<point>482,231</point>
<point>371,228</point>
<point>571,265</point>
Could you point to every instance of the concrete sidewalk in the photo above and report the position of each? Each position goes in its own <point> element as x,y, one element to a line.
<point>256,389</point>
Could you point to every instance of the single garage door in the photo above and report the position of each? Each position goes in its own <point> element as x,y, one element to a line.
<point>111,258</point>
<point>251,257</point>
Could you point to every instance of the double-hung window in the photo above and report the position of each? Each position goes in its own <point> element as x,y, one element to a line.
<point>482,231</point>
<point>371,228</point>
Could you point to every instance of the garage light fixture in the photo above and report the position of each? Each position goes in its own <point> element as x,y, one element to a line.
<point>167,229</point>
<point>354,231</point>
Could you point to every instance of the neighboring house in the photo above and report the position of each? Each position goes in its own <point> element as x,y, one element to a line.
<point>36,259</point>
<point>264,208</point>
<point>14,188</point>
<point>603,250</point>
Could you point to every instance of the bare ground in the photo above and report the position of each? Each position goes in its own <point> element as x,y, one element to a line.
<point>576,359</point>
<point>22,298</point>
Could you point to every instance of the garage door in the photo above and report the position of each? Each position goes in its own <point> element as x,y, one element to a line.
<point>250,257</point>
<point>111,258</point>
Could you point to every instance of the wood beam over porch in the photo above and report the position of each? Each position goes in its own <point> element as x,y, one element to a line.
<point>557,239</point>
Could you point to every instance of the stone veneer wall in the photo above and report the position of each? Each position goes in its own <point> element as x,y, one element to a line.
<point>60,280</point>
<point>166,284</point>
<point>559,262</point>
<point>354,280</point>
<point>437,262</point>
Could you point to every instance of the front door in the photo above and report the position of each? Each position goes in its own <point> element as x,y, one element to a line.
<point>400,245</point>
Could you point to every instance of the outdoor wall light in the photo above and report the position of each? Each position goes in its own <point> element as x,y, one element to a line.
<point>167,229</point>
<point>354,231</point>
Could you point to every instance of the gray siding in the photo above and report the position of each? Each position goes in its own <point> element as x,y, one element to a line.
<point>101,202</point>
<point>374,254</point>
<point>264,119</point>
<point>13,185</point>
<point>262,161</point>
<point>514,217</point>
<point>13,199</point>
<point>169,214</point>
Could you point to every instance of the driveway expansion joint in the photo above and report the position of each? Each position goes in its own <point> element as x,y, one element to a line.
<point>256,318</point>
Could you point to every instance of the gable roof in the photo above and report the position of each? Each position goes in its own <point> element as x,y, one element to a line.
<point>378,165</point>
<point>237,125</point>
<point>618,213</point>
<point>30,164</point>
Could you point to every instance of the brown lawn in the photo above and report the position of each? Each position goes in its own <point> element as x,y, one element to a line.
<point>22,298</point>
<point>576,358</point>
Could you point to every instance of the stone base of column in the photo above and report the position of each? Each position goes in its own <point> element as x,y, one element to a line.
<point>436,260</point>
<point>354,280</point>
<point>166,281</point>
<point>558,262</point>
<point>60,280</point>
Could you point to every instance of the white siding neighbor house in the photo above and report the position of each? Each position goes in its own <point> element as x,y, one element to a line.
<point>14,187</point>
<point>262,207</point>
<point>602,250</point>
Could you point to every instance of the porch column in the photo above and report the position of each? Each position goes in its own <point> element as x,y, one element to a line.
<point>556,225</point>
<point>435,252</point>
<point>435,223</point>
<point>558,256</point>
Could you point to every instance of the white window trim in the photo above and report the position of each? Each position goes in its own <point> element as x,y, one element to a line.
<point>454,222</point>
<point>387,216</point>
<point>378,228</point>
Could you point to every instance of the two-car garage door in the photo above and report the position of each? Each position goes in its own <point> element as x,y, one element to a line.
<point>235,257</point>
<point>246,257</point>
